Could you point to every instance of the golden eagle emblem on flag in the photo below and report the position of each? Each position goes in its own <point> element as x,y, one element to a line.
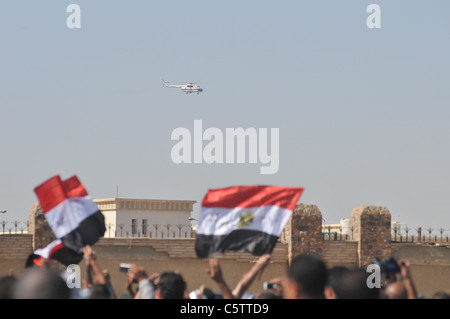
<point>246,220</point>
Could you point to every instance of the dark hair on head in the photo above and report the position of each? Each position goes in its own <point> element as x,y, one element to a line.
<point>310,273</point>
<point>171,285</point>
<point>334,273</point>
<point>99,291</point>
<point>6,287</point>
<point>209,294</point>
<point>36,283</point>
<point>441,295</point>
<point>268,295</point>
<point>353,285</point>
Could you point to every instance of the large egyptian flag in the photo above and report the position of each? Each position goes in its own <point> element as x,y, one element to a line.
<point>72,215</point>
<point>244,218</point>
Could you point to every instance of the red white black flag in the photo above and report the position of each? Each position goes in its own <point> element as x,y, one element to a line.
<point>54,251</point>
<point>72,215</point>
<point>244,218</point>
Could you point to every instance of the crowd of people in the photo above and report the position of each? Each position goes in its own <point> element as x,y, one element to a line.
<point>306,277</point>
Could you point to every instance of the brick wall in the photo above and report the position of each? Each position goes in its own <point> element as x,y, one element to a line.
<point>15,246</point>
<point>340,253</point>
<point>14,250</point>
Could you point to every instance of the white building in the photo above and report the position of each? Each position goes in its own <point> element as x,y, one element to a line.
<point>345,227</point>
<point>125,217</point>
<point>341,229</point>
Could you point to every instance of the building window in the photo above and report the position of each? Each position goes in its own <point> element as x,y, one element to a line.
<point>134,226</point>
<point>144,227</point>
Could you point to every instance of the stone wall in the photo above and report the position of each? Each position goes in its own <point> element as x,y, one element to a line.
<point>303,233</point>
<point>340,253</point>
<point>430,265</point>
<point>15,246</point>
<point>14,251</point>
<point>371,228</point>
<point>39,228</point>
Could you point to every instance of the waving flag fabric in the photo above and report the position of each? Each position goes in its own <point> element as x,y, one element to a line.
<point>72,215</point>
<point>54,251</point>
<point>244,218</point>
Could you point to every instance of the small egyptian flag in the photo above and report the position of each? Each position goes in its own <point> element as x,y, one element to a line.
<point>244,218</point>
<point>72,215</point>
<point>54,251</point>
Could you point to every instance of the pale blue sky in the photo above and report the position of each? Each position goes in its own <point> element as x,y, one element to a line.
<point>363,114</point>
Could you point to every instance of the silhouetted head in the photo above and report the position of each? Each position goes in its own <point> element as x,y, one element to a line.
<point>267,295</point>
<point>99,291</point>
<point>353,285</point>
<point>395,290</point>
<point>441,295</point>
<point>306,278</point>
<point>170,286</point>
<point>6,287</point>
<point>41,284</point>
<point>334,273</point>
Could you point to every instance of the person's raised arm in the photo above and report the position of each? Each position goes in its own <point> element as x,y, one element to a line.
<point>107,277</point>
<point>146,289</point>
<point>89,280</point>
<point>90,261</point>
<point>129,285</point>
<point>88,256</point>
<point>215,272</point>
<point>405,273</point>
<point>248,278</point>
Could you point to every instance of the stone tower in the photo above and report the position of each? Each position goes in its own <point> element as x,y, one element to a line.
<point>371,228</point>
<point>39,227</point>
<point>303,232</point>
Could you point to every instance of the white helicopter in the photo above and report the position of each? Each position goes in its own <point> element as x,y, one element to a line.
<point>189,88</point>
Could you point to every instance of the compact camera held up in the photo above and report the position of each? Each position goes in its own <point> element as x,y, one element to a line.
<point>268,285</point>
<point>124,267</point>
<point>389,267</point>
